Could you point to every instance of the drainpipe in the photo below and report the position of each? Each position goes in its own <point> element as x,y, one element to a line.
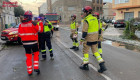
<point>1,22</point>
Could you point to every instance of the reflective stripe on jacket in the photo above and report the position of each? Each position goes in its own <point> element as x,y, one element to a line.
<point>28,31</point>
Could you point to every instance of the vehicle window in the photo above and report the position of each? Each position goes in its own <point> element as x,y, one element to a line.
<point>17,26</point>
<point>52,17</point>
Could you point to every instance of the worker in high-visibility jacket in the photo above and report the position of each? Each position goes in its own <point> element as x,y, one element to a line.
<point>28,32</point>
<point>90,40</point>
<point>100,38</point>
<point>46,39</point>
<point>74,33</point>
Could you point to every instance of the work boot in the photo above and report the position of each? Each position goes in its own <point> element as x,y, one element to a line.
<point>73,47</point>
<point>84,67</point>
<point>102,67</point>
<point>37,70</point>
<point>76,49</point>
<point>43,59</point>
<point>30,74</point>
<point>51,55</point>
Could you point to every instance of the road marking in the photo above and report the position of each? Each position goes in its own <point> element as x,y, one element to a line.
<point>94,68</point>
<point>69,29</point>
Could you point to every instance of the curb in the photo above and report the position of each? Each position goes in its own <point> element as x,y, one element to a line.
<point>2,45</point>
<point>122,42</point>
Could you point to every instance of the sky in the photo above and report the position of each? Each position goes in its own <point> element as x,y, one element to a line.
<point>33,5</point>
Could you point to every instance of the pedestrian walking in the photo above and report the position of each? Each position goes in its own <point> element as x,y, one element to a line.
<point>100,37</point>
<point>46,39</point>
<point>90,40</point>
<point>28,32</point>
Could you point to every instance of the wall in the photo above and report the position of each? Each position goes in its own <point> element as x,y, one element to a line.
<point>43,8</point>
<point>120,15</point>
<point>64,8</point>
<point>108,12</point>
<point>130,4</point>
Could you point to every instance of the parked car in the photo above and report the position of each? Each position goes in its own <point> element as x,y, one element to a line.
<point>136,23</point>
<point>119,24</point>
<point>11,34</point>
<point>113,21</point>
<point>108,21</point>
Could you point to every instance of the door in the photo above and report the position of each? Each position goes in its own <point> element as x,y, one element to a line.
<point>128,16</point>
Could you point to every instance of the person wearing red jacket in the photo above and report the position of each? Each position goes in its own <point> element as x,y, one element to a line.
<point>40,23</point>
<point>28,32</point>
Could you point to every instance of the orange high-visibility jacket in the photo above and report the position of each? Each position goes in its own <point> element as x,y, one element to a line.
<point>29,32</point>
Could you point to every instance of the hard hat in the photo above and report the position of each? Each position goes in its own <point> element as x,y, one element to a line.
<point>41,15</point>
<point>73,15</point>
<point>28,13</point>
<point>87,9</point>
<point>96,14</point>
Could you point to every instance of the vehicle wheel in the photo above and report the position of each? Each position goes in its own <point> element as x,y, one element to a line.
<point>19,41</point>
<point>8,42</point>
<point>57,29</point>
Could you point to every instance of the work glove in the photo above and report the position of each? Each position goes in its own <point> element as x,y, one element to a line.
<point>82,40</point>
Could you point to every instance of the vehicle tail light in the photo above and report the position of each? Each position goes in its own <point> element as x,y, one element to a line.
<point>115,23</point>
<point>122,22</point>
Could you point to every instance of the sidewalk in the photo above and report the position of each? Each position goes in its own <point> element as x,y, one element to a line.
<point>114,34</point>
<point>1,43</point>
<point>126,41</point>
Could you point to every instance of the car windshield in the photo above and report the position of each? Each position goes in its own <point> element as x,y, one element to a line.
<point>52,17</point>
<point>17,26</point>
<point>13,24</point>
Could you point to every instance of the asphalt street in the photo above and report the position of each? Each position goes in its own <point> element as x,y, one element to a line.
<point>122,64</point>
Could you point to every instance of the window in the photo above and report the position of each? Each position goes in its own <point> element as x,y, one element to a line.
<point>71,8</point>
<point>100,8</point>
<point>101,1</point>
<point>121,1</point>
<point>97,1</point>
<point>93,8</point>
<point>97,8</point>
<point>60,9</point>
<point>126,0</point>
<point>139,14</point>
<point>93,1</point>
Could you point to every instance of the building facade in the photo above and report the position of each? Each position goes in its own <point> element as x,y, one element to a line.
<point>97,6</point>
<point>7,16</point>
<point>126,9</point>
<point>65,8</point>
<point>49,5</point>
<point>108,12</point>
<point>43,9</point>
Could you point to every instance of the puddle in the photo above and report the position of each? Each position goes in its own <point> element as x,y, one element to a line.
<point>122,45</point>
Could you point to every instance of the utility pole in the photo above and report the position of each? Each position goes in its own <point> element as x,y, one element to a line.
<point>49,3</point>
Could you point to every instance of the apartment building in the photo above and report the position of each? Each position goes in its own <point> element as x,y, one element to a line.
<point>65,8</point>
<point>126,9</point>
<point>108,12</point>
<point>43,9</point>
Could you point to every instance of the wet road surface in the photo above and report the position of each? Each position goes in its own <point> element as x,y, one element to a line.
<point>122,64</point>
<point>122,60</point>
